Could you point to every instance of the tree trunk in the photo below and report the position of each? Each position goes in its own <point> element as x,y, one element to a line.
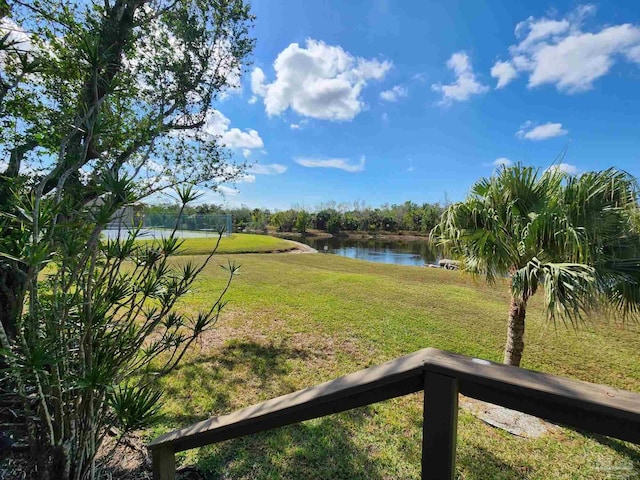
<point>515,332</point>
<point>12,290</point>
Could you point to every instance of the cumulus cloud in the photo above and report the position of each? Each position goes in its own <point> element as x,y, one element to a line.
<point>465,85</point>
<point>340,163</point>
<point>317,80</point>
<point>218,125</point>
<point>504,72</point>
<point>563,54</point>
<point>225,190</point>
<point>502,162</point>
<point>394,94</point>
<point>564,168</point>
<point>267,169</point>
<point>529,131</point>
<point>295,126</point>
<point>17,39</point>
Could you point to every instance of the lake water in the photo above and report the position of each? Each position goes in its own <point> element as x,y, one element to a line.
<point>398,252</point>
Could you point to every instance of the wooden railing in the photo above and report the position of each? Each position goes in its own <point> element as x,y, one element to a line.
<point>442,375</point>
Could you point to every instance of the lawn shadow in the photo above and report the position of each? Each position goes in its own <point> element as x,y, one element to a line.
<point>317,449</point>
<point>226,371</point>
<point>478,463</point>
<point>630,452</point>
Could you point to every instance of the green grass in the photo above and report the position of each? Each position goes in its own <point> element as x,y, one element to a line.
<point>235,243</point>
<point>297,320</point>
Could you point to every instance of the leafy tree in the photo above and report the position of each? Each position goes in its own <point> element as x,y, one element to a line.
<point>321,218</point>
<point>573,236</point>
<point>333,224</point>
<point>284,221</point>
<point>102,102</point>
<point>303,221</point>
<point>123,86</point>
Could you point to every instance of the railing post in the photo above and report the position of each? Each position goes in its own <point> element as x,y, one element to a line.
<point>439,427</point>
<point>164,463</point>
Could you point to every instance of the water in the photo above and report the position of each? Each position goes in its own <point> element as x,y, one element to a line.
<point>398,252</point>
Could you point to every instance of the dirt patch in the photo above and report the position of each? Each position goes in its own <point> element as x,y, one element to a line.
<point>301,248</point>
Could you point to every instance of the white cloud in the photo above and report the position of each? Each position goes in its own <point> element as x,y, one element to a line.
<point>253,99</point>
<point>246,153</point>
<point>340,163</point>
<point>267,169</point>
<point>561,53</point>
<point>225,190</point>
<point>465,84</point>
<point>17,39</point>
<point>218,125</point>
<point>318,80</point>
<point>257,82</point>
<point>541,132</point>
<point>394,93</point>
<point>295,126</point>
<point>504,72</point>
<point>564,168</point>
<point>634,54</point>
<point>502,162</point>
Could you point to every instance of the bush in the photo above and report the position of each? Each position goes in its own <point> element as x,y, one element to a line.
<point>284,221</point>
<point>99,329</point>
<point>303,221</point>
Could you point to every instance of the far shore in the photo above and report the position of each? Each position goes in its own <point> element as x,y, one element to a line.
<point>394,236</point>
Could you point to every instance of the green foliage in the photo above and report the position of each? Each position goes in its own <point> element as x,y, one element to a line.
<point>575,236</point>
<point>100,326</point>
<point>390,218</point>
<point>333,224</point>
<point>303,221</point>
<point>244,218</point>
<point>284,221</point>
<point>101,104</point>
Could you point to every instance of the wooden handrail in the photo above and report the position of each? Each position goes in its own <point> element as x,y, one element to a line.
<point>442,375</point>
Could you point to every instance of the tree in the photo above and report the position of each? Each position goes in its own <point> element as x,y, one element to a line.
<point>102,102</point>
<point>575,237</point>
<point>303,221</point>
<point>284,221</point>
<point>120,86</point>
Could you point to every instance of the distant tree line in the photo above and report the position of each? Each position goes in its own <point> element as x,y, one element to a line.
<point>330,217</point>
<point>196,217</point>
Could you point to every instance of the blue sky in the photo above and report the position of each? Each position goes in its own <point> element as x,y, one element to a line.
<point>387,101</point>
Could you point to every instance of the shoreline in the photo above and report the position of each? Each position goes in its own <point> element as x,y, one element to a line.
<point>317,234</point>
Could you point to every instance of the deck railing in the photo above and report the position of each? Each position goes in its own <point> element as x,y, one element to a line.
<point>442,375</point>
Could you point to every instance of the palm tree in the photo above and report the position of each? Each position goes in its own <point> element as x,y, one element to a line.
<point>575,236</point>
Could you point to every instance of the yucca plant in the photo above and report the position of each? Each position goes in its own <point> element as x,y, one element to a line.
<point>574,237</point>
<point>98,326</point>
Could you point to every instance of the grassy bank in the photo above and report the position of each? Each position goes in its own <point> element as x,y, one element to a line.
<point>236,243</point>
<point>297,320</point>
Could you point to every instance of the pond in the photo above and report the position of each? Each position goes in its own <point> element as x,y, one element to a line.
<point>398,252</point>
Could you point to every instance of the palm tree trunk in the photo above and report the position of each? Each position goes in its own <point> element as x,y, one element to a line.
<point>515,332</point>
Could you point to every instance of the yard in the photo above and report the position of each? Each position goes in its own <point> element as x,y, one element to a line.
<point>297,320</point>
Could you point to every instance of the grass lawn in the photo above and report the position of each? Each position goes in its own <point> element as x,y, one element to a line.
<point>297,320</point>
<point>235,243</point>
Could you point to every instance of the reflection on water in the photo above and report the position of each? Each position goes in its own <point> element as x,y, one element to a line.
<point>399,252</point>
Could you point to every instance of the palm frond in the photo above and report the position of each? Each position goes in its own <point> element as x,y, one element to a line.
<point>577,237</point>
